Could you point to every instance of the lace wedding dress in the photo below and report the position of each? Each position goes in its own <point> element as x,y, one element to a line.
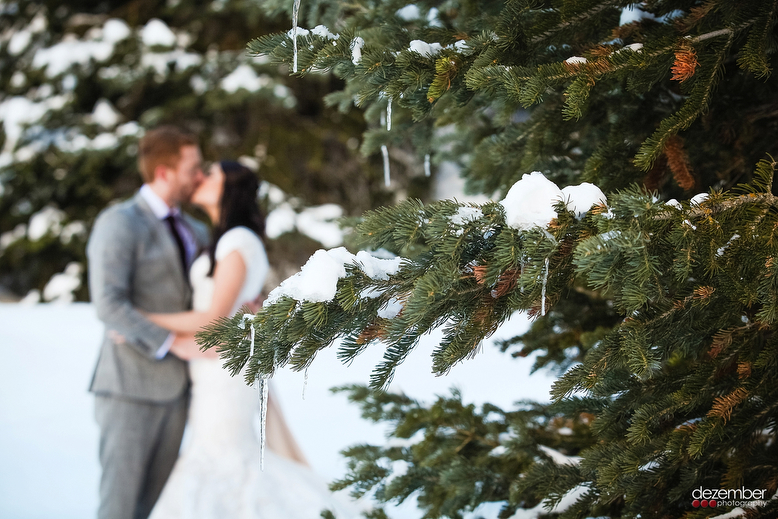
<point>217,475</point>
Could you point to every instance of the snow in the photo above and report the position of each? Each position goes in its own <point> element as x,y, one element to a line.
<point>390,309</point>
<point>47,220</point>
<point>58,58</point>
<point>159,61</point>
<point>9,237</point>
<point>409,13</point>
<point>300,32</point>
<point>48,414</point>
<point>19,42</point>
<point>720,251</point>
<point>279,221</point>
<point>378,268</point>
<point>433,18</point>
<point>18,112</point>
<point>566,502</point>
<point>635,47</point>
<point>115,30</point>
<point>244,76</point>
<point>674,203</point>
<point>18,79</point>
<point>427,50</point>
<point>324,32</point>
<point>356,50</point>
<point>317,223</point>
<point>105,114</point>
<point>72,229</point>
<point>104,141</point>
<point>156,32</point>
<point>576,60</point>
<point>699,198</point>
<point>530,202</point>
<point>317,280</point>
<point>131,128</point>
<point>582,197</point>
<point>465,215</point>
<point>275,195</point>
<point>61,286</point>
<point>634,14</point>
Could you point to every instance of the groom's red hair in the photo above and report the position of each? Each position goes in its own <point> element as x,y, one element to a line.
<point>162,146</point>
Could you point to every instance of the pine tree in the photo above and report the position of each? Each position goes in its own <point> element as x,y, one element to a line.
<point>661,312</point>
<point>80,81</point>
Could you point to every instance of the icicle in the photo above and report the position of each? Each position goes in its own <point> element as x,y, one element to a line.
<point>305,382</point>
<point>385,153</point>
<point>295,13</point>
<point>543,294</point>
<point>389,115</point>
<point>263,393</point>
<point>427,165</point>
<point>250,318</point>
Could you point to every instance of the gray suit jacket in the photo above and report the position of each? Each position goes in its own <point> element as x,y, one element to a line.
<point>134,264</point>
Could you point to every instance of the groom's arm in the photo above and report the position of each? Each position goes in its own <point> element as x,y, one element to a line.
<point>111,255</point>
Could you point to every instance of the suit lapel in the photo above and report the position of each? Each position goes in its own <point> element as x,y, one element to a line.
<point>165,241</point>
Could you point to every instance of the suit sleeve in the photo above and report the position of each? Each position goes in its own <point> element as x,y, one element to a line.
<point>111,255</point>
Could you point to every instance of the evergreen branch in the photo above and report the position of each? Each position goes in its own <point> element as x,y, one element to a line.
<point>582,17</point>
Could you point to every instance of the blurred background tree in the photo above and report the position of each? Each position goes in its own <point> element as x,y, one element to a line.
<point>79,83</point>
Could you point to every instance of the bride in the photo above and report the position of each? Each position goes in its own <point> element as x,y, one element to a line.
<point>217,474</point>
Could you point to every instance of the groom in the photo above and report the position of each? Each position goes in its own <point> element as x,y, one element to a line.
<point>139,252</point>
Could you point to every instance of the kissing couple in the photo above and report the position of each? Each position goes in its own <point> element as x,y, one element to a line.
<point>157,276</point>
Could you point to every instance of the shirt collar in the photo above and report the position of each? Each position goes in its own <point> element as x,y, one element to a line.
<point>157,205</point>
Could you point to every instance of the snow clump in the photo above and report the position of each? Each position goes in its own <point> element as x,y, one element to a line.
<point>466,215</point>
<point>324,32</point>
<point>48,219</point>
<point>356,50</point>
<point>244,76</point>
<point>317,281</point>
<point>699,198</point>
<point>530,202</point>
<point>427,50</point>
<point>582,197</point>
<point>576,60</point>
<point>104,114</point>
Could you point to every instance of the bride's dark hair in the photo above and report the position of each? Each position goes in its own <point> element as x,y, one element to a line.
<point>238,205</point>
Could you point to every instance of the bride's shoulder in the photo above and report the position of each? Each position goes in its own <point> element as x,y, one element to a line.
<point>239,238</point>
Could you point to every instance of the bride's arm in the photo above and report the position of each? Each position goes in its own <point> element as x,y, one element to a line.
<point>228,278</point>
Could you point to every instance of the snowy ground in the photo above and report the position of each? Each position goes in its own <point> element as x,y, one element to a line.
<point>48,438</point>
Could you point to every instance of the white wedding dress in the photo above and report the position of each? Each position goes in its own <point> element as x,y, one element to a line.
<point>217,475</point>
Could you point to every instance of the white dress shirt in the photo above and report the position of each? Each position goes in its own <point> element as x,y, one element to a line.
<point>161,210</point>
